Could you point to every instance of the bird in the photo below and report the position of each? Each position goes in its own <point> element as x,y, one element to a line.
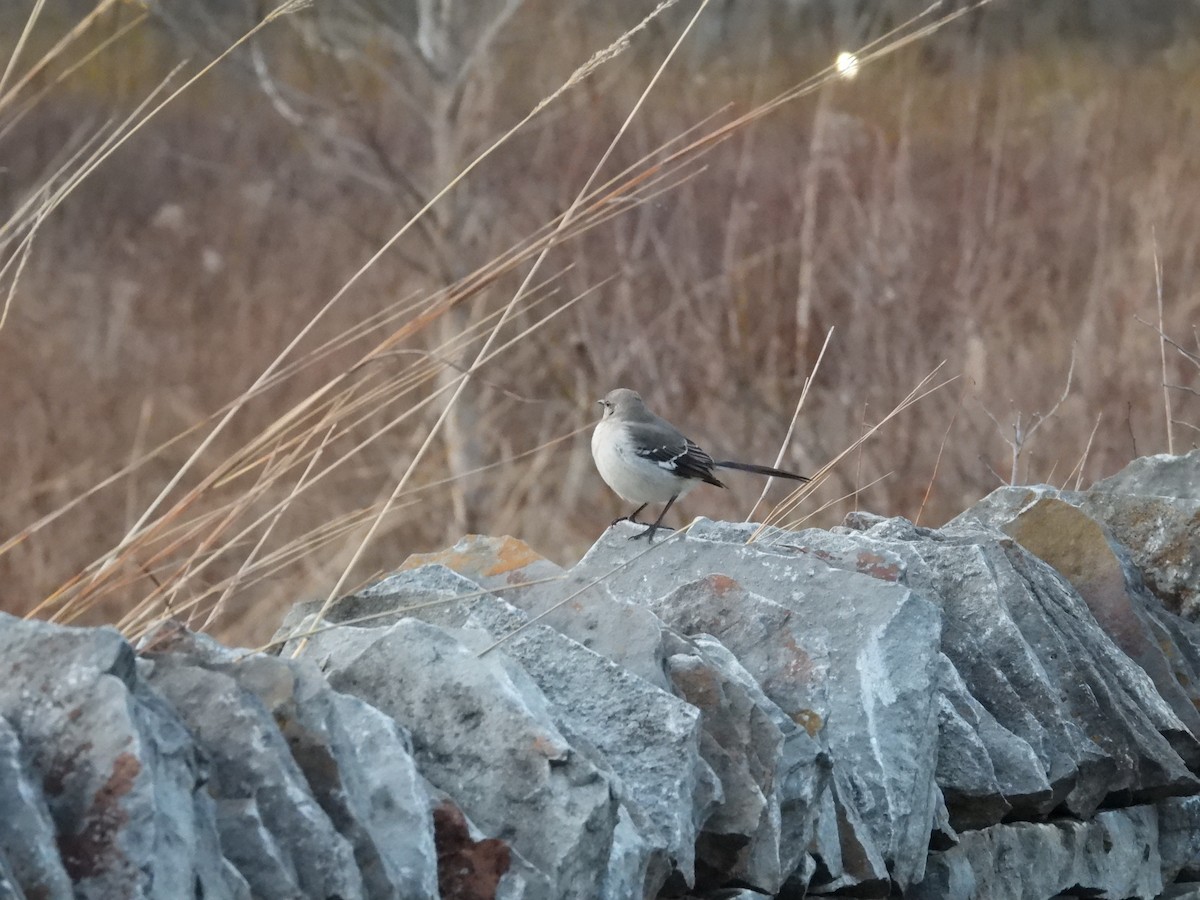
<point>645,459</point>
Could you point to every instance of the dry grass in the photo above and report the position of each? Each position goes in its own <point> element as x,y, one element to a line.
<point>985,212</point>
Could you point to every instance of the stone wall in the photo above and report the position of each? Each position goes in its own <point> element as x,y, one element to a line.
<point>1003,707</point>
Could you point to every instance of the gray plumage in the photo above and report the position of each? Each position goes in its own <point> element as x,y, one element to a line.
<point>646,459</point>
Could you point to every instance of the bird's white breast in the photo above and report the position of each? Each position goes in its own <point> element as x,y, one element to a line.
<point>634,478</point>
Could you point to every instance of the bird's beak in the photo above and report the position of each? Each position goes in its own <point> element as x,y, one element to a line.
<point>599,402</point>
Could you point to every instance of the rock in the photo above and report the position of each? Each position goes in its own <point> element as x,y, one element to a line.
<point>486,740</point>
<point>745,844</point>
<point>1162,475</point>
<point>1084,550</point>
<point>747,847</point>
<point>119,772</point>
<point>621,631</point>
<point>1113,855</point>
<point>1179,836</point>
<point>494,564</point>
<point>357,762</point>
<point>271,826</point>
<point>1031,653</point>
<point>983,769</point>
<point>435,594</point>
<point>801,769</point>
<point>647,738</point>
<point>1185,891</point>
<point>9,889</point>
<point>1081,550</point>
<point>819,640</point>
<point>643,736</point>
<point>1152,509</point>
<point>29,861</point>
<point>744,838</point>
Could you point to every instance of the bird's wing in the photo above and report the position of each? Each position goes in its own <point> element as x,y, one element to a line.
<point>681,457</point>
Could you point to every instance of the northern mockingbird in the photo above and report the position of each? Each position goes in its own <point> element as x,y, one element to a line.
<point>646,459</point>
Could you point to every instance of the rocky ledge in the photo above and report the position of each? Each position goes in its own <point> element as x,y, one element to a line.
<point>1002,707</point>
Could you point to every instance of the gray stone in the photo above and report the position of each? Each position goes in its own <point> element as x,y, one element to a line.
<point>434,594</point>
<point>757,633</point>
<point>1162,535</point>
<point>1032,654</point>
<point>1151,507</point>
<point>1081,550</point>
<point>27,847</point>
<point>846,655</point>
<point>271,827</point>
<point>9,888</point>
<point>358,764</point>
<point>628,872</point>
<point>983,768</point>
<point>743,844</point>
<point>744,727</point>
<point>651,740</point>
<point>640,734</point>
<point>1179,640</point>
<point>635,639</point>
<point>1161,475</point>
<point>1003,504</point>
<point>800,773</point>
<point>119,772</point>
<point>489,742</point>
<point>1115,854</point>
<point>621,631</point>
<point>1179,835</point>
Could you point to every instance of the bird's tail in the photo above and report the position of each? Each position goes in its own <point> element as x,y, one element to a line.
<point>760,470</point>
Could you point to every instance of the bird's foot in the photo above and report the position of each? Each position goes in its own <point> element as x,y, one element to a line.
<point>648,534</point>
<point>626,519</point>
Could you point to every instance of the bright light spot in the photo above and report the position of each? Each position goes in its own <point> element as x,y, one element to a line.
<point>846,65</point>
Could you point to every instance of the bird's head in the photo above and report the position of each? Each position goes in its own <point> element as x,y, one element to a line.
<point>621,400</point>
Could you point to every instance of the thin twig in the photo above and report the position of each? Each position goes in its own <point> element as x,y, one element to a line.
<point>1022,432</point>
<point>938,460</point>
<point>796,523</point>
<point>1190,356</point>
<point>787,438</point>
<point>25,33</point>
<point>1079,466</point>
<point>1162,345</point>
<point>917,394</point>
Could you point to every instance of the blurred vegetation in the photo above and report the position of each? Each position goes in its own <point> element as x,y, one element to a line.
<point>993,196</point>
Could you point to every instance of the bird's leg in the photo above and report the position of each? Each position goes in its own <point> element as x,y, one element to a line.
<point>632,517</point>
<point>648,534</point>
